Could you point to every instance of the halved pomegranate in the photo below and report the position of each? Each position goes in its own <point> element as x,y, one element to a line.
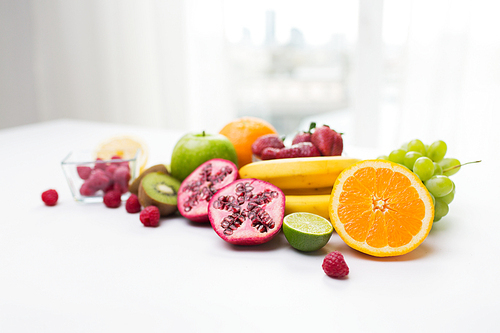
<point>199,187</point>
<point>247,211</point>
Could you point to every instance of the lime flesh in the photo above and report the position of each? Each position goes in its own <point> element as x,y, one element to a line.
<point>306,231</point>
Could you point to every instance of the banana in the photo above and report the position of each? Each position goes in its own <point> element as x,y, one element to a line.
<point>308,191</point>
<point>316,204</point>
<point>298,173</point>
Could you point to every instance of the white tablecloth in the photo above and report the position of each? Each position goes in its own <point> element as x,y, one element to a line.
<point>86,268</point>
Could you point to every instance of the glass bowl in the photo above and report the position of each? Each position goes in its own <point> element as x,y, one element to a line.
<point>89,178</point>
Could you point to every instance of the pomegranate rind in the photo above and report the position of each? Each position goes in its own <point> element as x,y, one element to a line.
<point>199,211</point>
<point>248,233</point>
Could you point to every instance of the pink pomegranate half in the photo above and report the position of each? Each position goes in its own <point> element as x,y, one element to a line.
<point>247,212</point>
<point>199,187</point>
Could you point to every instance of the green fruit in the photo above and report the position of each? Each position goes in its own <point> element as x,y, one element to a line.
<point>306,231</point>
<point>134,186</point>
<point>193,149</point>
<point>160,190</point>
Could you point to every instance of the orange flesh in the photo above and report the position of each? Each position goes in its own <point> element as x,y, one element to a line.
<point>380,207</point>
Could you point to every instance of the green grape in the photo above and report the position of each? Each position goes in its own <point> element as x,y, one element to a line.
<point>437,169</point>
<point>437,150</point>
<point>423,168</point>
<point>449,197</point>
<point>416,145</point>
<point>397,156</point>
<point>450,166</point>
<point>440,209</point>
<point>410,159</point>
<point>404,146</point>
<point>383,157</point>
<point>439,185</point>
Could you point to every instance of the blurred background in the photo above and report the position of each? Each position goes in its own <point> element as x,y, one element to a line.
<point>380,71</point>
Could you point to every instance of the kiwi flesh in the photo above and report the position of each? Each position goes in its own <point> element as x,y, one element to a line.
<point>134,186</point>
<point>159,189</point>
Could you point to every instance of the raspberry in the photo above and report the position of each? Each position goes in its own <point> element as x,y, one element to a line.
<point>86,190</point>
<point>99,165</point>
<point>110,170</point>
<point>150,216</point>
<point>132,205</point>
<point>83,171</point>
<point>50,197</point>
<point>98,180</point>
<point>122,175</point>
<point>334,265</point>
<point>112,199</point>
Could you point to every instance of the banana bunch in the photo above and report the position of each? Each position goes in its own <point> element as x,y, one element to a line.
<point>306,181</point>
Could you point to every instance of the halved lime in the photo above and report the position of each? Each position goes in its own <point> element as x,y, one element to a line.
<point>306,231</point>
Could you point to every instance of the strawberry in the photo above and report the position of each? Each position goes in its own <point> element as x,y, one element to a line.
<point>289,152</point>
<point>328,141</point>
<point>304,136</point>
<point>266,141</point>
<point>302,149</point>
<point>270,153</point>
<point>307,149</point>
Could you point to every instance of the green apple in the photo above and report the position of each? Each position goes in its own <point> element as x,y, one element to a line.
<point>193,149</point>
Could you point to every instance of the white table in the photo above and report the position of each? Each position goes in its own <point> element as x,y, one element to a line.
<point>86,268</point>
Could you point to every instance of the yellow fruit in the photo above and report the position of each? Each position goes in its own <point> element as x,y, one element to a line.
<point>309,191</point>
<point>124,146</point>
<point>381,208</point>
<point>298,173</point>
<point>314,204</point>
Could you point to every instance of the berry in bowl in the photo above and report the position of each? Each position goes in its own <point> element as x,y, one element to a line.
<point>90,178</point>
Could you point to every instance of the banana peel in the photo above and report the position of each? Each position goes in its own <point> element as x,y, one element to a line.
<point>315,204</point>
<point>298,173</point>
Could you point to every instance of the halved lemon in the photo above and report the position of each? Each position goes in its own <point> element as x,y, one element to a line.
<point>126,147</point>
<point>381,208</point>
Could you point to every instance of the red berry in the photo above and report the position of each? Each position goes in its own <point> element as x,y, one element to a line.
<point>270,153</point>
<point>98,180</point>
<point>112,199</point>
<point>289,152</point>
<point>122,175</point>
<point>334,265</point>
<point>150,216</point>
<point>110,170</point>
<point>328,141</point>
<point>86,190</point>
<point>301,137</point>
<point>133,205</point>
<point>99,164</point>
<point>83,171</point>
<point>307,149</point>
<point>50,197</point>
<point>265,141</point>
<point>304,136</point>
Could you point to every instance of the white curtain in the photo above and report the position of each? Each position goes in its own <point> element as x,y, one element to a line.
<point>158,63</point>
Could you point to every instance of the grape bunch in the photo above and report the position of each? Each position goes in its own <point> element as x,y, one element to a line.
<point>433,169</point>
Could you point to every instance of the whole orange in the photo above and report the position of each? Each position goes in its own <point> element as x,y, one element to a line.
<point>242,132</point>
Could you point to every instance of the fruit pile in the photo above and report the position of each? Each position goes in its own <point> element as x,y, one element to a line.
<point>306,190</point>
<point>321,141</point>
<point>432,168</point>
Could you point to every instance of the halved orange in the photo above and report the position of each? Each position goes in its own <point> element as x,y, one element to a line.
<point>381,208</point>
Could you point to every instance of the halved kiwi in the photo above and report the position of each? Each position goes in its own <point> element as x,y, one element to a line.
<point>134,186</point>
<point>160,190</point>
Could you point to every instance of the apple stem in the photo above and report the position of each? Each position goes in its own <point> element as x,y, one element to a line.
<point>203,133</point>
